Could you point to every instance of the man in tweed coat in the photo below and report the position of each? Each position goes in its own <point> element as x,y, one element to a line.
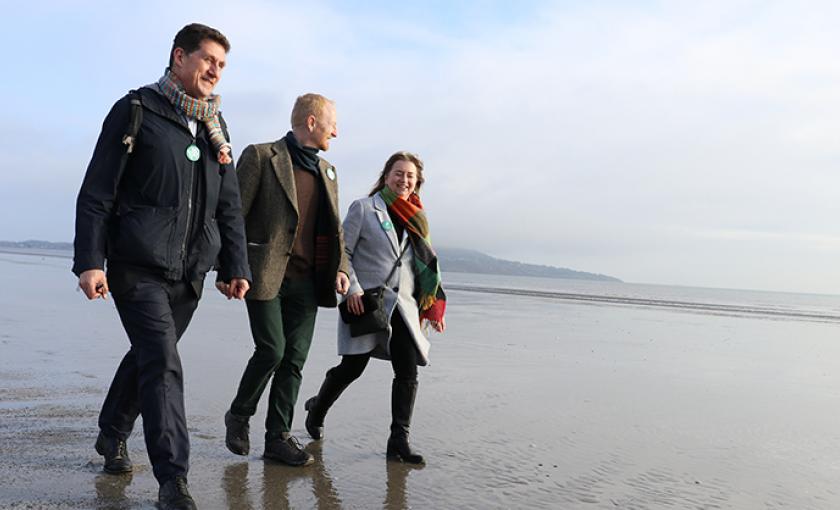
<point>296,253</point>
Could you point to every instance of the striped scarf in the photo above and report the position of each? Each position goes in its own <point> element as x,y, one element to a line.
<point>206,111</point>
<point>410,214</point>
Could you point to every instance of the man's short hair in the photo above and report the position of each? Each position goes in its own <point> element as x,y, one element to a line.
<point>191,36</point>
<point>306,105</point>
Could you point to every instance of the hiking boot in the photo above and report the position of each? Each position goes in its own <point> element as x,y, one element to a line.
<point>174,495</point>
<point>287,449</point>
<point>115,452</point>
<point>236,434</point>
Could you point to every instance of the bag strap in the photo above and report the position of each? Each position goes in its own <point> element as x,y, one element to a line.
<point>397,263</point>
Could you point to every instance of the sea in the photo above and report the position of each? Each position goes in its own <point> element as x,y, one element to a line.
<point>542,393</point>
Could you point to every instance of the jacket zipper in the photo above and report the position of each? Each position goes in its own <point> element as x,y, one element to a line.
<point>189,214</point>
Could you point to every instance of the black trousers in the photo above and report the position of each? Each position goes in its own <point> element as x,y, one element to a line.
<point>403,356</point>
<point>149,381</point>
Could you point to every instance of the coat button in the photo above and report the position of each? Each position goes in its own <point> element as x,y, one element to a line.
<point>397,288</point>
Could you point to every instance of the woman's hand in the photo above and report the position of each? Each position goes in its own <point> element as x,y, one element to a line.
<point>355,305</point>
<point>439,326</point>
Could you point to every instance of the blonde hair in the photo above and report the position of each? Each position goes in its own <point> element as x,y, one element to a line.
<point>306,105</point>
<point>400,156</point>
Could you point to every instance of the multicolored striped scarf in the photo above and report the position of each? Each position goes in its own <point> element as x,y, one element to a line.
<point>205,110</point>
<point>409,212</point>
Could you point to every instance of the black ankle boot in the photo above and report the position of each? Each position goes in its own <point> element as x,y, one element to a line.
<point>175,495</point>
<point>115,452</point>
<point>317,406</point>
<point>399,450</point>
<point>403,394</point>
<point>236,433</point>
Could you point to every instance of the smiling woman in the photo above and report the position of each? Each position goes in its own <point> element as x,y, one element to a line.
<point>388,244</point>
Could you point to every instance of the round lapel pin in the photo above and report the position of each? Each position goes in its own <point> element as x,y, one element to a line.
<point>193,153</point>
<point>331,173</point>
<point>387,225</point>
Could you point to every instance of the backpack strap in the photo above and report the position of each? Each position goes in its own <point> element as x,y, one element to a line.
<point>133,124</point>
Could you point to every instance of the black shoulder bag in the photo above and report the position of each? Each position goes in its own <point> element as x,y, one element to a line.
<point>375,318</point>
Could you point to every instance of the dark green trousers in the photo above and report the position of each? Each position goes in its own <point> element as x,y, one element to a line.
<point>282,329</point>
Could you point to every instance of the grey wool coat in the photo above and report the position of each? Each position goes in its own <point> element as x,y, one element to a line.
<point>373,248</point>
<point>269,205</point>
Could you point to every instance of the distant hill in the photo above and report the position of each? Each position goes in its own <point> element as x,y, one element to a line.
<point>471,261</point>
<point>36,245</point>
<point>456,260</point>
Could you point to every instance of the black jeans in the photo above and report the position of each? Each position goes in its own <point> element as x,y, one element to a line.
<point>149,381</point>
<point>403,356</point>
<point>282,329</point>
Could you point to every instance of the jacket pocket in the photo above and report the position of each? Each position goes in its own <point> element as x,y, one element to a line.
<point>145,236</point>
<point>208,246</point>
<point>257,256</point>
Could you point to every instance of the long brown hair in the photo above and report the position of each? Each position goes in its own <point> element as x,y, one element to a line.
<point>399,156</point>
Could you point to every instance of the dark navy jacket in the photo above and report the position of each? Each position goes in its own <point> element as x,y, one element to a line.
<point>165,214</point>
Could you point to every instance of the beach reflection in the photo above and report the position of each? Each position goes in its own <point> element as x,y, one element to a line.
<point>276,481</point>
<point>235,485</point>
<point>110,491</point>
<point>326,496</point>
<point>395,493</point>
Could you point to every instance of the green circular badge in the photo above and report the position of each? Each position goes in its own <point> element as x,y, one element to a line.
<point>193,153</point>
<point>387,225</point>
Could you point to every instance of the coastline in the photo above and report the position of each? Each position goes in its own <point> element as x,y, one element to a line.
<point>528,402</point>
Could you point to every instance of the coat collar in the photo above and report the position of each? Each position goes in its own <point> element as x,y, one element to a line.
<point>155,101</point>
<point>379,203</point>
<point>382,215</point>
<point>328,177</point>
<point>281,163</point>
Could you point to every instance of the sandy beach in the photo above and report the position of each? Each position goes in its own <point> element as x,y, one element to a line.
<point>529,402</point>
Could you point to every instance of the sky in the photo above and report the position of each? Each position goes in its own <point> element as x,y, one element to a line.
<point>671,142</point>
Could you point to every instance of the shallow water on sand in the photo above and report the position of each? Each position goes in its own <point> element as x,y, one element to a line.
<point>529,402</point>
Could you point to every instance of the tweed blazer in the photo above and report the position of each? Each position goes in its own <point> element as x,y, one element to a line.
<point>373,248</point>
<point>269,205</point>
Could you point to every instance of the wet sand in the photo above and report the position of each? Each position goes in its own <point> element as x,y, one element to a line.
<point>530,402</point>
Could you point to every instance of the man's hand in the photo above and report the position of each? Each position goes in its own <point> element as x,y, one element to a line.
<point>342,283</point>
<point>238,288</point>
<point>94,284</point>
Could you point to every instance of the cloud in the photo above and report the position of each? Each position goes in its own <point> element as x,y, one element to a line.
<point>610,137</point>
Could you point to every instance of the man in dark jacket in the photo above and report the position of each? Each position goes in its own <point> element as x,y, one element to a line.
<point>162,211</point>
<point>296,250</point>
